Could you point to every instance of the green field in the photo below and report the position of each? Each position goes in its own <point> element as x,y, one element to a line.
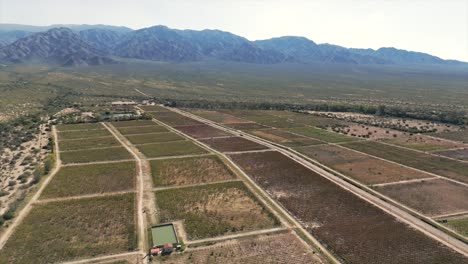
<point>91,179</point>
<point>164,234</point>
<point>214,210</point>
<point>321,134</point>
<point>285,138</point>
<point>73,229</point>
<point>154,138</point>
<point>459,225</point>
<point>134,123</point>
<point>446,167</point>
<point>175,148</point>
<point>183,171</point>
<point>141,130</point>
<point>88,143</point>
<point>93,155</point>
<point>84,134</point>
<point>89,126</point>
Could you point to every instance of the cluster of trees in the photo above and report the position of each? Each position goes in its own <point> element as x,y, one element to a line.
<point>450,117</point>
<point>17,131</point>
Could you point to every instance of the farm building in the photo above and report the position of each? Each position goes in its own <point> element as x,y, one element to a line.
<point>164,240</point>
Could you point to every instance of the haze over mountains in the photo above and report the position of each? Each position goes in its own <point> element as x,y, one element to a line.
<point>78,45</point>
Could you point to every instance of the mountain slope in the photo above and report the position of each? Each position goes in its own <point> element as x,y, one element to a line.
<point>57,46</point>
<point>103,39</point>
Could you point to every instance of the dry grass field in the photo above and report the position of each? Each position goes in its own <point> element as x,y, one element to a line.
<point>232,144</point>
<point>461,154</point>
<point>81,134</point>
<point>154,138</point>
<point>285,138</point>
<point>202,131</point>
<point>459,225</point>
<point>446,167</point>
<point>433,197</point>
<point>267,249</point>
<point>353,229</point>
<point>141,130</point>
<point>247,126</point>
<point>461,136</point>
<point>174,119</point>
<point>321,134</point>
<point>218,117</point>
<point>93,155</point>
<point>90,126</point>
<point>214,210</point>
<point>360,167</point>
<point>133,123</point>
<point>91,179</point>
<point>168,149</point>
<point>88,143</point>
<point>68,230</point>
<point>189,171</point>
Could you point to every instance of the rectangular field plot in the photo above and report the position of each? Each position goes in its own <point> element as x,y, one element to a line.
<point>93,155</point>
<point>214,210</point>
<point>247,126</point>
<point>87,126</point>
<point>422,143</point>
<point>218,116</point>
<point>363,168</point>
<point>353,229</point>
<point>154,108</point>
<point>285,138</point>
<point>174,119</point>
<point>91,179</point>
<point>308,119</point>
<point>430,197</point>
<point>459,225</point>
<point>259,249</point>
<point>68,230</point>
<point>461,136</point>
<point>189,171</point>
<point>154,138</point>
<point>83,134</point>
<point>446,167</point>
<point>167,149</point>
<point>321,134</point>
<point>88,143</point>
<point>142,130</point>
<point>232,144</point>
<point>133,123</point>
<point>202,131</point>
<point>460,154</point>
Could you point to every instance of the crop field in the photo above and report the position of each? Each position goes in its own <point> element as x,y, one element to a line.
<point>91,179</point>
<point>446,167</point>
<point>154,138</point>
<point>214,210</point>
<point>93,155</point>
<point>141,130</point>
<point>88,143</point>
<point>277,248</point>
<point>84,134</point>
<point>353,229</point>
<point>218,117</point>
<point>459,225</point>
<point>247,126</point>
<point>67,230</point>
<point>432,197</point>
<point>154,108</point>
<point>89,126</point>
<point>174,119</point>
<point>461,154</point>
<point>189,171</point>
<point>133,123</point>
<point>304,119</point>
<point>232,144</point>
<point>202,131</point>
<point>423,143</point>
<point>321,134</point>
<point>285,138</point>
<point>461,136</point>
<point>363,168</point>
<point>174,148</point>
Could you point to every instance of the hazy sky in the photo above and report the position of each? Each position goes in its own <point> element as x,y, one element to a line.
<point>439,27</point>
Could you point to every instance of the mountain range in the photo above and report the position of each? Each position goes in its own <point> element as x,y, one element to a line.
<point>79,45</point>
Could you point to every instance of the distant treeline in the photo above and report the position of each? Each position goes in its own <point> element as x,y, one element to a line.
<point>450,117</point>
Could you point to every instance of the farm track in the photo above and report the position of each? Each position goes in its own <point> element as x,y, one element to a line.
<point>27,208</point>
<point>193,185</point>
<point>181,156</point>
<point>239,235</point>
<point>107,258</point>
<point>142,231</point>
<point>405,181</point>
<point>394,210</point>
<point>247,151</point>
<point>278,210</point>
<point>96,162</point>
<point>81,197</point>
<point>451,215</point>
<point>76,150</point>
